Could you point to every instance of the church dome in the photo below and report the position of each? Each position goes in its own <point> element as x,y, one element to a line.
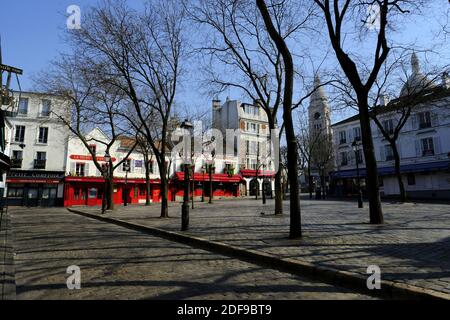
<point>417,81</point>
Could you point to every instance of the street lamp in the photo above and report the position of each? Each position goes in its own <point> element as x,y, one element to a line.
<point>210,169</point>
<point>126,168</point>
<point>185,207</point>
<point>356,149</point>
<point>107,159</point>
<point>203,183</point>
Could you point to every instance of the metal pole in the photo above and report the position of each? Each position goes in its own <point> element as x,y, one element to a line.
<point>210,184</point>
<point>126,189</point>
<point>203,185</point>
<point>185,206</point>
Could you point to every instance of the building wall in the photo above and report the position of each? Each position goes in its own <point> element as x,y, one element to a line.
<point>56,146</point>
<point>410,147</point>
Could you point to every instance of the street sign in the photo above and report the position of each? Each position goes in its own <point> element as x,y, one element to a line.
<point>6,68</point>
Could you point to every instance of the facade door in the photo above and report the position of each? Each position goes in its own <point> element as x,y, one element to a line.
<point>32,196</point>
<point>254,187</point>
<point>49,196</point>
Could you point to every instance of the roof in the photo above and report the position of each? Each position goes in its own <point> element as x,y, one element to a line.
<point>425,96</point>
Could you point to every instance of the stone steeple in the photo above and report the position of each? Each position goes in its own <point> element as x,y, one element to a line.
<point>319,110</point>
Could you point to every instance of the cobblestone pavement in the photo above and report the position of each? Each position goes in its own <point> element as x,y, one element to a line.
<point>412,247</point>
<point>118,263</point>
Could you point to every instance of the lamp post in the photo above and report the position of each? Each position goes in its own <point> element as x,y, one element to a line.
<point>356,149</point>
<point>210,171</point>
<point>185,206</point>
<point>126,167</point>
<point>107,159</point>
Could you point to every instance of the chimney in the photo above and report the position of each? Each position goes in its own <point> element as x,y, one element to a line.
<point>445,80</point>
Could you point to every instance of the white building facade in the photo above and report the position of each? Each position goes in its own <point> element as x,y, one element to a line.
<point>423,145</point>
<point>38,151</point>
<point>252,148</point>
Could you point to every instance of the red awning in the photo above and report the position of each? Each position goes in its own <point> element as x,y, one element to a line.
<point>261,173</point>
<point>116,180</point>
<point>216,177</point>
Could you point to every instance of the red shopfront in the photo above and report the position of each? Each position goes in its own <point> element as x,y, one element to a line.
<point>88,191</point>
<point>223,185</point>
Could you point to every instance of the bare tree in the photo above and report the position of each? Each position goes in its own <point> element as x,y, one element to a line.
<point>362,77</point>
<point>253,64</point>
<point>279,41</point>
<point>139,53</point>
<point>92,103</point>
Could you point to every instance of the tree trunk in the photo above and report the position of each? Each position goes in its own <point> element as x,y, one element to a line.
<point>373,189</point>
<point>295,228</point>
<point>398,173</point>
<point>310,183</point>
<point>164,191</point>
<point>110,192</point>
<point>278,194</point>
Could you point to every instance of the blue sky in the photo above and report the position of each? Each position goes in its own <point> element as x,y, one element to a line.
<point>32,36</point>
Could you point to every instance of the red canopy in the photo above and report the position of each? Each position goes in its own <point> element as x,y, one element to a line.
<point>261,173</point>
<point>216,177</point>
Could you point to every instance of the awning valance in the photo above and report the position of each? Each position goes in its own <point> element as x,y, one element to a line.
<point>216,177</point>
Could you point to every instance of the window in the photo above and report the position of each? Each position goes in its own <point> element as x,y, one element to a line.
<point>427,147</point>
<point>389,154</point>
<point>17,155</point>
<point>424,120</point>
<point>142,190</point>
<point>359,157</point>
<point>76,194</point>
<point>46,107</point>
<point>411,179</point>
<point>342,137</point>
<point>41,156</point>
<point>344,160</point>
<point>20,134</point>
<point>15,192</point>
<point>40,161</point>
<point>23,106</point>
<point>357,133</point>
<point>126,166</point>
<point>381,181</point>
<point>43,135</point>
<point>92,193</point>
<point>151,167</point>
<point>93,148</point>
<point>80,169</point>
<point>252,110</point>
<point>388,126</point>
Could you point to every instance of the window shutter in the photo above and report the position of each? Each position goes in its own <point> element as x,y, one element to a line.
<point>437,145</point>
<point>382,154</point>
<point>73,168</point>
<point>86,169</point>
<point>418,149</point>
<point>414,122</point>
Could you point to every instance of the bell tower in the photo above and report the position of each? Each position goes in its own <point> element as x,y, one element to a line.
<point>319,110</point>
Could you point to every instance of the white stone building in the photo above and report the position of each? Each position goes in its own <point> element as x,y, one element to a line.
<point>423,144</point>
<point>38,151</point>
<point>252,146</point>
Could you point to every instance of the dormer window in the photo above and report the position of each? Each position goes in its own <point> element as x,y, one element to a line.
<point>93,148</point>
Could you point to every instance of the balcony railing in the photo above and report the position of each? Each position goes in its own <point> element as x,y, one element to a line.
<point>344,163</point>
<point>426,153</point>
<point>39,164</point>
<point>389,158</point>
<point>424,125</point>
<point>16,163</point>
<point>342,141</point>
